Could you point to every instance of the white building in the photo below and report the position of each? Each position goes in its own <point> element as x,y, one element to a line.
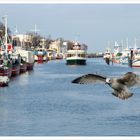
<point>22,38</point>
<point>58,47</point>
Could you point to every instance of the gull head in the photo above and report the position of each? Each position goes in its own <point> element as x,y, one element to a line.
<point>108,81</point>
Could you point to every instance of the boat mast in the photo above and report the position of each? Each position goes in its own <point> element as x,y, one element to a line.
<point>5,23</point>
<point>127,43</point>
<point>122,44</point>
<point>108,46</point>
<point>135,45</point>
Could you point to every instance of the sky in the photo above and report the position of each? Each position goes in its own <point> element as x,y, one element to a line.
<point>93,24</point>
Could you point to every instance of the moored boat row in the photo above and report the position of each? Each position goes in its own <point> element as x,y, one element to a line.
<point>14,66</point>
<point>12,61</point>
<point>128,56</point>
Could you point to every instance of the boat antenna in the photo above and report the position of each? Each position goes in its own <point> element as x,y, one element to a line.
<point>16,29</point>
<point>122,44</point>
<point>35,30</point>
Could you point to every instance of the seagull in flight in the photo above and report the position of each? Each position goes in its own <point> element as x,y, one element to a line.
<point>120,85</point>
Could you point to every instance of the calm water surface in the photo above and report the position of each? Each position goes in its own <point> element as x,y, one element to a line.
<point>44,102</point>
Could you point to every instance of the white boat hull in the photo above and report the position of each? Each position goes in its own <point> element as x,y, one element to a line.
<point>4,80</point>
<point>136,63</point>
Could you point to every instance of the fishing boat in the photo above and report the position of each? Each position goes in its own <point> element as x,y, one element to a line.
<point>107,56</point>
<point>76,55</point>
<point>117,53</point>
<point>40,54</point>
<point>135,55</point>
<point>125,56</point>
<point>5,71</point>
<point>5,62</point>
<point>136,58</point>
<point>4,80</point>
<point>16,59</point>
<point>24,52</point>
<point>28,54</point>
<point>5,67</point>
<point>125,53</point>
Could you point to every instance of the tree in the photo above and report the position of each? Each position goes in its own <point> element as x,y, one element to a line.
<point>35,38</point>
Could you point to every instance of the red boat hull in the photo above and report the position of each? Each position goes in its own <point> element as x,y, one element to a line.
<point>15,70</point>
<point>40,59</point>
<point>6,72</point>
<point>23,68</point>
<point>30,66</point>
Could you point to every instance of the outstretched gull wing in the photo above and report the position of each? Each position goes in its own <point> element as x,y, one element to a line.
<point>89,78</point>
<point>129,79</point>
